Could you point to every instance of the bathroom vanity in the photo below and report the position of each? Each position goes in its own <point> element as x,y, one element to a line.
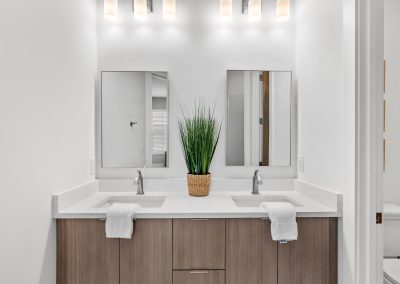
<point>177,239</point>
<point>191,251</point>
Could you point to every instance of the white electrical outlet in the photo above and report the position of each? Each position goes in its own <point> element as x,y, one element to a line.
<point>300,164</point>
<point>92,166</point>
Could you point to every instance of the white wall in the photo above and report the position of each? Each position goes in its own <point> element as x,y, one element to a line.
<point>320,99</point>
<point>47,80</point>
<point>391,181</point>
<point>196,49</point>
<point>325,67</point>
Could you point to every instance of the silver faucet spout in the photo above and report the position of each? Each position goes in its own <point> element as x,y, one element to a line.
<point>139,182</point>
<point>257,180</point>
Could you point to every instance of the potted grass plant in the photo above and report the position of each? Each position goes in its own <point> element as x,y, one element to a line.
<point>199,137</point>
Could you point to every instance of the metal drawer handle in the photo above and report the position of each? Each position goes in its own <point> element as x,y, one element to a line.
<point>199,219</point>
<point>198,272</point>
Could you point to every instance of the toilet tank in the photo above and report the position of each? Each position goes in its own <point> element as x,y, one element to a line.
<point>391,230</point>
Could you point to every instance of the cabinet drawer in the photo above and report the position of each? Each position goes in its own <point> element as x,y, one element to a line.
<point>198,244</point>
<point>199,277</point>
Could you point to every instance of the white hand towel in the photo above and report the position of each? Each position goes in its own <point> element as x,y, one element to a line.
<point>119,223</point>
<point>283,220</point>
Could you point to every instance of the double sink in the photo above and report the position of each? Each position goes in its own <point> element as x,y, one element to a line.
<point>157,201</point>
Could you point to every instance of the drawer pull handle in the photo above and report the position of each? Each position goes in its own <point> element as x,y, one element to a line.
<point>198,272</point>
<point>199,219</point>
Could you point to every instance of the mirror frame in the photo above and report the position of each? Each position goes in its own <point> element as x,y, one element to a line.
<point>104,172</point>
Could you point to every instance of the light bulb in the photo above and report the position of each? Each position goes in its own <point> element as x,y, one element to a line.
<point>169,10</point>
<point>140,10</point>
<point>225,9</point>
<point>283,10</point>
<point>254,10</point>
<point>111,9</point>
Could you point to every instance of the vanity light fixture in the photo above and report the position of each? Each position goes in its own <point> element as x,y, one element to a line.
<point>253,9</point>
<point>110,9</point>
<point>225,9</point>
<point>283,10</point>
<point>141,8</point>
<point>169,10</point>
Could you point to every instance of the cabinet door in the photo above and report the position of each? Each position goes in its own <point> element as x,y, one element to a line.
<point>199,244</point>
<point>199,277</point>
<point>84,254</point>
<point>251,255</point>
<point>147,257</point>
<point>312,259</point>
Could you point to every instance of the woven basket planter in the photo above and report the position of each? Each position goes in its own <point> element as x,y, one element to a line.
<point>199,185</point>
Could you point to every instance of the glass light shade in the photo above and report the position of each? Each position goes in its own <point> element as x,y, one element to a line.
<point>283,10</point>
<point>254,10</point>
<point>110,9</point>
<point>169,10</point>
<point>225,9</point>
<point>140,10</point>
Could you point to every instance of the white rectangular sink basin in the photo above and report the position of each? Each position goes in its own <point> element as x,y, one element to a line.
<point>142,200</point>
<point>256,200</point>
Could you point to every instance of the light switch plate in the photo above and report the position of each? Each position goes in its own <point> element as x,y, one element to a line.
<point>300,164</point>
<point>92,166</point>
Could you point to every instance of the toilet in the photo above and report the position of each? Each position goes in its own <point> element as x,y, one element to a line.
<point>391,231</point>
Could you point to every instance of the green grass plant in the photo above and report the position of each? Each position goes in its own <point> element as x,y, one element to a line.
<point>199,137</point>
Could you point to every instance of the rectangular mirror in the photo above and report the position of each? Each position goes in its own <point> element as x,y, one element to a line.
<point>134,119</point>
<point>259,118</point>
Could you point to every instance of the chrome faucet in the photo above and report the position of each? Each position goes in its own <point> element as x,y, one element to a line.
<point>257,180</point>
<point>139,182</point>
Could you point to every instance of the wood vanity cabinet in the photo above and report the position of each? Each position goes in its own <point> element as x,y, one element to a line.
<point>199,244</point>
<point>147,257</point>
<point>312,259</point>
<point>251,255</point>
<point>196,251</point>
<point>253,258</point>
<point>84,254</point>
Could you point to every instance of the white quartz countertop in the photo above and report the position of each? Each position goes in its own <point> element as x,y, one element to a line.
<point>219,204</point>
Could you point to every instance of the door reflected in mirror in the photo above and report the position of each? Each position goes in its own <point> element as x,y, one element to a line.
<point>134,119</point>
<point>259,118</point>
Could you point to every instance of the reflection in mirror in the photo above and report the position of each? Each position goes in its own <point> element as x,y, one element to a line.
<point>258,118</point>
<point>134,114</point>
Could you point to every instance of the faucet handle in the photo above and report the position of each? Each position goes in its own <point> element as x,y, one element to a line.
<point>258,178</point>
<point>136,179</point>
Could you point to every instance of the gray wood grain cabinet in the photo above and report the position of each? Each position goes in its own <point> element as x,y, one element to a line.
<point>196,251</point>
<point>199,244</point>
<point>147,257</point>
<point>251,255</point>
<point>312,259</point>
<point>253,258</point>
<point>84,254</point>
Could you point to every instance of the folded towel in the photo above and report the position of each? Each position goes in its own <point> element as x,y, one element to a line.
<point>119,223</point>
<point>283,220</point>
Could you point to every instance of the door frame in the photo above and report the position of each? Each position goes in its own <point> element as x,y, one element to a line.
<point>369,140</point>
